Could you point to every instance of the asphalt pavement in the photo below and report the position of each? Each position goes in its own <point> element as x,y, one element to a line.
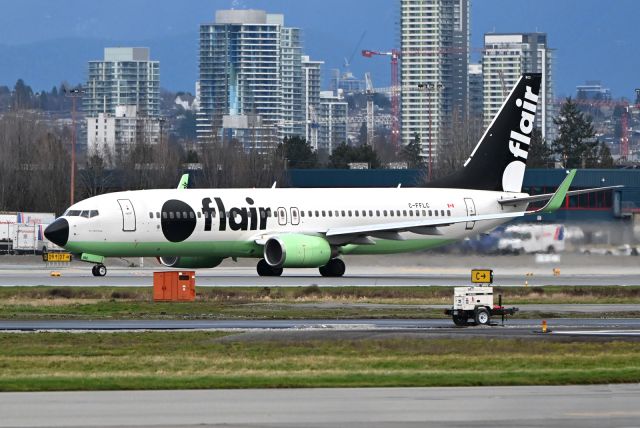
<point>522,406</point>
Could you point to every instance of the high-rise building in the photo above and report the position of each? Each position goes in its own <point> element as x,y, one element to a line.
<point>505,58</point>
<point>593,90</point>
<point>435,55</point>
<point>311,99</point>
<point>122,101</point>
<point>475,91</point>
<point>126,76</point>
<point>251,85</point>
<point>334,110</point>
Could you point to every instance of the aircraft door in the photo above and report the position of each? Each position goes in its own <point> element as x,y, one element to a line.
<point>471,211</point>
<point>128,215</point>
<point>295,216</point>
<point>282,216</point>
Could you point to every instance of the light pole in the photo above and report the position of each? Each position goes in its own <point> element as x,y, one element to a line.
<point>429,87</point>
<point>74,94</point>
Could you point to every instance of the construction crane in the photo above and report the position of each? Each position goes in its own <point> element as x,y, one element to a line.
<point>369,92</point>
<point>394,54</point>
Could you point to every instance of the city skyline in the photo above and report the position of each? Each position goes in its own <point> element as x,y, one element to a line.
<point>591,41</point>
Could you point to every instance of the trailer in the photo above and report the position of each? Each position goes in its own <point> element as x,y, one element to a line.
<point>474,304</point>
<point>26,239</point>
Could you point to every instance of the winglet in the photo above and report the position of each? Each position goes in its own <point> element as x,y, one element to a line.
<point>558,197</point>
<point>184,181</point>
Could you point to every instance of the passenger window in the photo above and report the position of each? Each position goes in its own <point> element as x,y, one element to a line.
<point>206,214</point>
<point>150,215</point>
<point>442,213</point>
<point>349,213</point>
<point>449,213</point>
<point>404,213</point>
<point>391,213</point>
<point>324,213</point>
<point>384,213</point>
<point>157,214</point>
<point>430,214</point>
<point>337,213</point>
<point>164,214</point>
<point>301,213</point>
<point>357,213</point>
<point>343,213</point>
<point>192,214</point>
<point>171,215</point>
<point>410,213</point>
<point>330,213</point>
<point>377,213</point>
<point>370,213</point>
<point>310,213</point>
<point>398,213</point>
<point>436,213</point>
<point>364,213</point>
<point>199,214</point>
<point>424,213</point>
<point>317,213</point>
<point>178,214</point>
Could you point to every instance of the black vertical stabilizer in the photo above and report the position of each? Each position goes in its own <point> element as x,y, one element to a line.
<point>498,161</point>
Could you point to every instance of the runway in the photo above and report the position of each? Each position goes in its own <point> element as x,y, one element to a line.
<point>414,269</point>
<point>431,327</point>
<point>244,276</point>
<point>531,406</point>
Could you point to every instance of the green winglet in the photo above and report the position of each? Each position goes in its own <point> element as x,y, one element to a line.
<point>184,181</point>
<point>558,197</point>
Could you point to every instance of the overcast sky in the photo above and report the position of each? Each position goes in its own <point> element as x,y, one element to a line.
<point>594,39</point>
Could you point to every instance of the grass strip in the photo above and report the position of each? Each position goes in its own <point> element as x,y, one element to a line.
<point>154,360</point>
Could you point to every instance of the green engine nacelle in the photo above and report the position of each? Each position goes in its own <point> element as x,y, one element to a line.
<point>297,251</point>
<point>190,262</point>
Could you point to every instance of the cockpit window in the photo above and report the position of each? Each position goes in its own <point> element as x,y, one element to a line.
<point>83,213</point>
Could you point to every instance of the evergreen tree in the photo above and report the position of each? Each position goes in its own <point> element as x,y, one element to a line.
<point>411,153</point>
<point>344,154</point>
<point>298,152</point>
<point>540,154</point>
<point>576,140</point>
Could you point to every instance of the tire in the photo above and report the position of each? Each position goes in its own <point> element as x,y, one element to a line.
<point>264,269</point>
<point>334,268</point>
<point>460,320</point>
<point>551,250</point>
<point>101,270</point>
<point>94,270</point>
<point>482,316</point>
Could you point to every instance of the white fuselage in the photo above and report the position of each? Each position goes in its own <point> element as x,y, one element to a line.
<point>144,223</point>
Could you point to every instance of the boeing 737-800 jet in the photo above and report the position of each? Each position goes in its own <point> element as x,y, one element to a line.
<point>312,228</point>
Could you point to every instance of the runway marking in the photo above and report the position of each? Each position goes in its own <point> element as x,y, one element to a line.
<point>599,332</point>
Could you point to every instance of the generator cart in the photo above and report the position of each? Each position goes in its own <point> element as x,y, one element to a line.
<point>476,303</point>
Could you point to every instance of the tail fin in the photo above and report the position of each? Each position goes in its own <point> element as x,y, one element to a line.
<point>498,161</point>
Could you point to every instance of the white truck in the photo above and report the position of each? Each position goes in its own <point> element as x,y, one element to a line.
<point>475,303</point>
<point>532,238</point>
<point>23,232</point>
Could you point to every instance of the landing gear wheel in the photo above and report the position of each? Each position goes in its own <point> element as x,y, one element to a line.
<point>482,316</point>
<point>334,268</point>
<point>265,269</point>
<point>99,270</point>
<point>460,320</point>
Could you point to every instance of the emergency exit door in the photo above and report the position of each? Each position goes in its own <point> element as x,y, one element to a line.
<point>471,211</point>
<point>128,215</point>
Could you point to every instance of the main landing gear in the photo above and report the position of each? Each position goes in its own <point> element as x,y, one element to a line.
<point>334,268</point>
<point>265,269</point>
<point>99,270</point>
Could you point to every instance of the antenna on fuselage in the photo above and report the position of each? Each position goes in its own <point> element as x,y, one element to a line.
<point>274,185</point>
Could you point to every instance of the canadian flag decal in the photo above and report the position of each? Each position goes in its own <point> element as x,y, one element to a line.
<point>449,205</point>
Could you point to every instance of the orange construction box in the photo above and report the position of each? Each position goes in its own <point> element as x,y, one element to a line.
<point>174,286</point>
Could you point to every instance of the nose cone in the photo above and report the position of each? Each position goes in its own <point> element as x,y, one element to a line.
<point>58,232</point>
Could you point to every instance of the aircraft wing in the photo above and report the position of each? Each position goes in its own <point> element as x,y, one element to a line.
<point>430,226</point>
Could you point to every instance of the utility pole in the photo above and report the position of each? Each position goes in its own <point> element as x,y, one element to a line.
<point>74,94</point>
<point>429,87</point>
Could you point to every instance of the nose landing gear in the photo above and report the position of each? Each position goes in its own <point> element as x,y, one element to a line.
<point>99,270</point>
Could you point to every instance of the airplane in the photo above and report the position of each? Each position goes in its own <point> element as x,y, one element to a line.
<point>312,228</point>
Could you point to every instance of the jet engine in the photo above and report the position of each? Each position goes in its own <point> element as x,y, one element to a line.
<point>297,251</point>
